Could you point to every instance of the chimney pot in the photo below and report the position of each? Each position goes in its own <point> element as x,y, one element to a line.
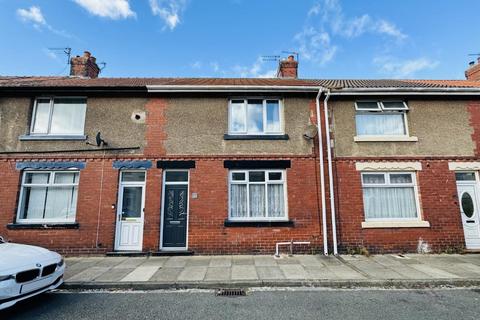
<point>471,63</point>
<point>85,66</point>
<point>478,60</point>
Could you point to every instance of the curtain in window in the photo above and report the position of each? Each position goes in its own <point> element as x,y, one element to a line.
<point>390,203</point>
<point>238,200</point>
<point>276,204</point>
<point>257,200</point>
<point>68,116</point>
<point>61,202</point>
<point>380,124</point>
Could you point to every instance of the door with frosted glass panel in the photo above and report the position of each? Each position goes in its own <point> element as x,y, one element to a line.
<point>130,213</point>
<point>467,187</point>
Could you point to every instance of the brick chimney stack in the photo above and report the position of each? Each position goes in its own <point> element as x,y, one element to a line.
<point>473,71</point>
<point>288,68</point>
<point>84,66</point>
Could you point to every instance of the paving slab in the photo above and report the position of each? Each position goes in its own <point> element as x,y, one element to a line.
<point>293,272</point>
<point>89,274</point>
<point>309,261</point>
<point>110,261</point>
<point>221,261</point>
<point>265,261</point>
<point>243,260</point>
<point>434,272</point>
<point>218,274</point>
<point>374,270</point>
<point>131,262</point>
<point>154,261</point>
<point>286,260</point>
<point>198,261</point>
<point>270,273</point>
<point>318,273</point>
<point>114,275</point>
<point>244,272</point>
<point>344,272</point>
<point>166,275</point>
<point>142,273</point>
<point>192,273</point>
<point>176,262</point>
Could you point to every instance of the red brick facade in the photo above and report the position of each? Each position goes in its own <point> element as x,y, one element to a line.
<point>207,213</point>
<point>438,205</point>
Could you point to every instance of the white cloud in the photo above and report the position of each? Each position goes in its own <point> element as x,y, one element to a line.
<point>112,9</point>
<point>390,29</point>
<point>169,11</point>
<point>33,15</point>
<point>196,65</point>
<point>315,45</point>
<point>256,70</point>
<point>403,68</point>
<point>326,23</point>
<point>215,66</point>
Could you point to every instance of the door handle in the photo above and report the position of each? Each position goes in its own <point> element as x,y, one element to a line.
<point>174,222</point>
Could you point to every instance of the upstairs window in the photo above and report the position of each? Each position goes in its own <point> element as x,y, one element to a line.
<point>255,117</point>
<point>59,116</point>
<point>381,118</point>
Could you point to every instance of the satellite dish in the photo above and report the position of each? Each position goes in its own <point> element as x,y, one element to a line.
<point>310,132</point>
<point>99,140</point>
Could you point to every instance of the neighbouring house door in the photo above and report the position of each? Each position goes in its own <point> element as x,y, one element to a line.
<point>469,210</point>
<point>131,203</point>
<point>175,211</point>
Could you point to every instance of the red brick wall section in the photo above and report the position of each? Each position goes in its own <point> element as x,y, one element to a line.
<point>207,234</point>
<point>438,202</point>
<point>155,123</point>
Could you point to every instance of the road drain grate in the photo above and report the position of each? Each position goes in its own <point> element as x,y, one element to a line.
<point>231,292</point>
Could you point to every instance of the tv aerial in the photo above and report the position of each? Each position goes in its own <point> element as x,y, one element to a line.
<point>67,51</point>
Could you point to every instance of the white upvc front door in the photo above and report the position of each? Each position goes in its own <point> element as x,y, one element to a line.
<point>468,198</point>
<point>130,211</point>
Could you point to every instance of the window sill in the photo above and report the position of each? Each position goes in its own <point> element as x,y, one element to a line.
<point>384,139</point>
<point>52,137</point>
<point>43,226</point>
<point>255,137</point>
<point>395,224</point>
<point>259,224</point>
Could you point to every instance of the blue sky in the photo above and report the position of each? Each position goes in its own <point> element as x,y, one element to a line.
<point>226,38</point>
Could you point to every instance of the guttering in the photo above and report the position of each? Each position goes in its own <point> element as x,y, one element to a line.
<point>330,174</point>
<point>403,91</point>
<point>229,88</point>
<point>322,172</point>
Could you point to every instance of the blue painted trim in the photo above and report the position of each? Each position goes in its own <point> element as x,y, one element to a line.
<point>134,164</point>
<point>50,165</point>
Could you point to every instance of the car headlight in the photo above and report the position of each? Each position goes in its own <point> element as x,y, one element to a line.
<point>4,278</point>
<point>61,262</point>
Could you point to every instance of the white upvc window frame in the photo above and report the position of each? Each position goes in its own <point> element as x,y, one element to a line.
<point>50,183</point>
<point>381,109</point>
<point>52,101</point>
<point>267,181</point>
<point>264,103</point>
<point>388,184</point>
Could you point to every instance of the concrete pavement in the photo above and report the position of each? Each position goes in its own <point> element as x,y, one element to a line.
<point>410,271</point>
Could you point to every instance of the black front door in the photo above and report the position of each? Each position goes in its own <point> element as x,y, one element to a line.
<point>175,216</point>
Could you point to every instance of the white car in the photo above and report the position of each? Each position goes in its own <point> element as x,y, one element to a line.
<point>26,271</point>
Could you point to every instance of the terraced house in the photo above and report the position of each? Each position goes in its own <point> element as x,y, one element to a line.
<point>227,166</point>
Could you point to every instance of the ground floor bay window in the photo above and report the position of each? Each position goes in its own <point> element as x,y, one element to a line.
<point>257,195</point>
<point>48,197</point>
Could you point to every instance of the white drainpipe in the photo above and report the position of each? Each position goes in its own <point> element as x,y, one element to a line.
<point>330,174</point>
<point>322,173</point>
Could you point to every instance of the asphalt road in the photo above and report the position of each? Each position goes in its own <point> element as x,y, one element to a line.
<point>285,304</point>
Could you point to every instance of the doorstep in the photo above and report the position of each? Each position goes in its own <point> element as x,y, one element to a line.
<point>149,253</point>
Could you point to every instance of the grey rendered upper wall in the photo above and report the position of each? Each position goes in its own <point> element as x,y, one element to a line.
<point>196,126</point>
<point>442,128</point>
<point>110,116</point>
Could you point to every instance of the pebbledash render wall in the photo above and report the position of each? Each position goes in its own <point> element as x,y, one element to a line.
<point>170,128</point>
<point>447,131</point>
